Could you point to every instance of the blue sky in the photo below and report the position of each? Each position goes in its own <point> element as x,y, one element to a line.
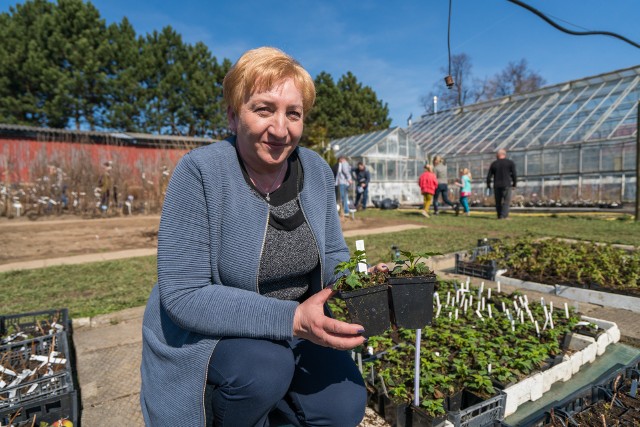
<point>398,48</point>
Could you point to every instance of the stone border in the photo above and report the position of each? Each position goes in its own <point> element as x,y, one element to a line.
<point>586,349</point>
<point>578,294</point>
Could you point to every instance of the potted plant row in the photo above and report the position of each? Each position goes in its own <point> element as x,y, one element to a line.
<point>403,297</point>
<point>466,359</point>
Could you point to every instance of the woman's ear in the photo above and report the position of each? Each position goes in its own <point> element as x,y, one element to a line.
<point>232,118</point>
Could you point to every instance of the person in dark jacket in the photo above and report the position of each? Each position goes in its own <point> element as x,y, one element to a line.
<point>362,178</point>
<point>235,333</point>
<point>503,173</point>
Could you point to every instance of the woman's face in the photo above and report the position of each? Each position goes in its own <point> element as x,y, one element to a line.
<point>268,126</point>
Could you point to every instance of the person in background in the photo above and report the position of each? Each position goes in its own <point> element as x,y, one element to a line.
<point>428,184</point>
<point>503,173</point>
<point>443,185</point>
<point>235,332</point>
<point>465,189</point>
<point>343,181</point>
<point>362,178</point>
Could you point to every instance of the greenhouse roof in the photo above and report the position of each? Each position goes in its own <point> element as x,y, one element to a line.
<point>358,145</point>
<point>593,109</point>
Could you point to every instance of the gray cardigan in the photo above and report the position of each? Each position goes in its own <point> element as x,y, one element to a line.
<point>210,242</point>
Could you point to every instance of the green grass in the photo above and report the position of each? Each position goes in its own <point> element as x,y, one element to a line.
<point>104,287</point>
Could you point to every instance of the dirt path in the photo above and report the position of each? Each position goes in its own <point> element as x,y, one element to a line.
<point>24,240</point>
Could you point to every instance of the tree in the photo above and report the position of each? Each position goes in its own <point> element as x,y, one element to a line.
<point>80,49</point>
<point>514,79</point>
<point>342,109</point>
<point>206,115</point>
<point>124,95</point>
<point>29,92</point>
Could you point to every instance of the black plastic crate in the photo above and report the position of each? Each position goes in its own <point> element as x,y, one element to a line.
<point>15,356</point>
<point>33,323</point>
<point>481,414</point>
<point>488,241</point>
<point>475,269</point>
<point>49,410</point>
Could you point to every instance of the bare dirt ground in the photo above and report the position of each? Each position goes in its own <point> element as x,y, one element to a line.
<point>24,240</point>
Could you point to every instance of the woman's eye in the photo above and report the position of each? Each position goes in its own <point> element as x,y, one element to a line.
<point>263,111</point>
<point>294,115</point>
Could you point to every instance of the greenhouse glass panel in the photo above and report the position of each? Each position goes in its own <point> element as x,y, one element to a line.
<point>590,189</point>
<point>569,160</point>
<point>629,157</point>
<point>519,159</point>
<point>380,171</point>
<point>612,158</point>
<point>411,170</point>
<point>475,166</point>
<point>372,167</point>
<point>402,147</point>
<point>402,170</point>
<point>534,166</point>
<point>391,171</point>
<point>569,188</point>
<point>412,150</point>
<point>550,162</point>
<point>591,159</point>
<point>533,187</point>
<point>383,147</point>
<point>552,187</point>
<point>630,188</point>
<point>611,187</point>
<point>392,147</point>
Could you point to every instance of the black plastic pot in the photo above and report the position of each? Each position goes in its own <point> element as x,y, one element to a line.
<point>412,300</point>
<point>395,413</point>
<point>453,402</point>
<point>368,307</point>
<point>416,417</point>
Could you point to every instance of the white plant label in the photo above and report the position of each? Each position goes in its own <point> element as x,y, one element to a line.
<point>362,266</point>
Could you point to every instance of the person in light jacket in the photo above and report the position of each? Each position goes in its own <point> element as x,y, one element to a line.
<point>235,332</point>
<point>428,184</point>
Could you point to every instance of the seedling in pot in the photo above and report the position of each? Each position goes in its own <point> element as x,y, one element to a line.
<point>414,264</point>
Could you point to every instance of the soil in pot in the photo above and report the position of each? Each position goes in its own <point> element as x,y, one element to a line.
<point>368,307</point>
<point>412,301</point>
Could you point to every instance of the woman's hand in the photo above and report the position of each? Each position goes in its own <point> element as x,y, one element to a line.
<point>380,267</point>
<point>310,323</point>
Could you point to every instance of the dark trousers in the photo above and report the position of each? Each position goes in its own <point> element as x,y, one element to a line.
<point>503,200</point>
<point>255,382</point>
<point>364,195</point>
<point>444,190</point>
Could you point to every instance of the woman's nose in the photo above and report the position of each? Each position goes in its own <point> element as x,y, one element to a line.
<point>278,126</point>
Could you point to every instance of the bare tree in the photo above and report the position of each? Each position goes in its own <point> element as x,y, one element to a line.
<point>515,78</point>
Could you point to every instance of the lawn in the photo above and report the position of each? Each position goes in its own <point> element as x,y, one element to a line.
<point>104,287</point>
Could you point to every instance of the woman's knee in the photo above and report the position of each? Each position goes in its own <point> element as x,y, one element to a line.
<point>258,368</point>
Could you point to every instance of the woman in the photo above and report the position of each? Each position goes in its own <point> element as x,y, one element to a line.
<point>428,184</point>
<point>248,242</point>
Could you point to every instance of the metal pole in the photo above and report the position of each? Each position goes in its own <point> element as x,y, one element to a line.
<point>416,371</point>
<point>637,216</point>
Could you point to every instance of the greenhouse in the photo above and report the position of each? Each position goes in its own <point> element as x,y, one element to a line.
<point>571,142</point>
<point>393,158</point>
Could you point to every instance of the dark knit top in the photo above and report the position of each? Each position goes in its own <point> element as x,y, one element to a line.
<point>290,253</point>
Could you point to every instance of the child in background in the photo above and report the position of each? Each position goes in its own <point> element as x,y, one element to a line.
<point>428,184</point>
<point>465,189</point>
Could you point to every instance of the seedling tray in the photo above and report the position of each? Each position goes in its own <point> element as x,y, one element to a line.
<point>34,324</point>
<point>482,414</point>
<point>48,410</point>
<point>45,381</point>
<point>475,269</point>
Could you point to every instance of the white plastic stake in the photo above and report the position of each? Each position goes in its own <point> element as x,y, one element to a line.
<point>566,310</point>
<point>489,293</point>
<point>481,289</point>
<point>360,362</point>
<point>489,308</point>
<point>537,327</point>
<point>489,369</point>
<point>362,266</point>
<point>542,301</point>
<point>480,315</point>
<point>466,306</point>
<point>448,298</point>
<point>456,314</point>
<point>550,307</point>
<point>522,316</point>
<point>438,311</point>
<point>435,294</point>
<point>483,303</point>
<point>416,373</point>
<point>504,309</point>
<point>471,300</point>
<point>498,286</point>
